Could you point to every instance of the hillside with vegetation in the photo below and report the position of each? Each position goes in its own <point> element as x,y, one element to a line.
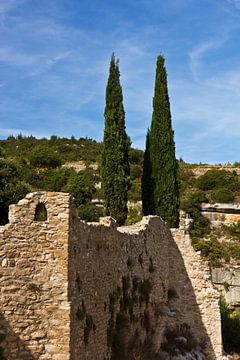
<point>29,164</point>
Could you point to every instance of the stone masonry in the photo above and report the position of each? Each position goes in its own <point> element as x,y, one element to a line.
<point>79,291</point>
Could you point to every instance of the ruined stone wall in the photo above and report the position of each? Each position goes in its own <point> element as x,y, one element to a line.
<point>81,291</point>
<point>34,310</point>
<point>218,218</point>
<point>196,298</point>
<point>118,281</point>
<point>226,278</point>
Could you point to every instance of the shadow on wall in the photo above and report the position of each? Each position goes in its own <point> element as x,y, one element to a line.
<point>11,346</point>
<point>169,325</point>
<point>193,305</point>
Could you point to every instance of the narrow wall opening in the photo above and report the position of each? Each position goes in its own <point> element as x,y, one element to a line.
<point>40,212</point>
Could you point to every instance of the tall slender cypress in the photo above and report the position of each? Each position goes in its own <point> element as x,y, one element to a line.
<point>116,144</point>
<point>163,192</point>
<point>147,180</point>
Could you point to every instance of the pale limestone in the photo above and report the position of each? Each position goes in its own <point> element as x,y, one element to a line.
<point>50,268</point>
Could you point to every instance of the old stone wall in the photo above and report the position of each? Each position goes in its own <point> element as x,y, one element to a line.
<point>34,309</point>
<point>118,279</point>
<point>197,299</point>
<point>79,291</point>
<point>227,280</point>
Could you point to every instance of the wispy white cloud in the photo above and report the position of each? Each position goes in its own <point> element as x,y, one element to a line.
<point>236,3</point>
<point>8,5</point>
<point>197,54</point>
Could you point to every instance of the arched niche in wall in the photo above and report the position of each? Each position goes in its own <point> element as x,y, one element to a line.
<point>40,212</point>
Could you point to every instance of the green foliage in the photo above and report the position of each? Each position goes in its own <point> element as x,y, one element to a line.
<point>90,212</point>
<point>116,145</point>
<point>217,179</point>
<point>192,205</point>
<point>44,158</point>
<point>134,216</point>
<point>160,187</point>
<point>11,188</point>
<point>69,150</point>
<point>134,193</point>
<point>200,225</point>
<point>230,328</point>
<point>212,249</point>
<point>81,186</point>
<point>233,230</point>
<point>136,156</point>
<point>222,195</point>
<point>193,201</point>
<point>147,181</point>
<point>55,179</point>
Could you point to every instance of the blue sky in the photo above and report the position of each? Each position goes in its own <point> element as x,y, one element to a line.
<point>54,59</point>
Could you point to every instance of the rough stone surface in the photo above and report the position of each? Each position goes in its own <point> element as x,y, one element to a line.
<point>63,282</point>
<point>201,170</point>
<point>221,213</point>
<point>227,279</point>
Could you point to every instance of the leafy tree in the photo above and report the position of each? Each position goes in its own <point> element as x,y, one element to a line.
<point>160,188</point>
<point>81,186</point>
<point>222,195</point>
<point>44,157</point>
<point>116,145</point>
<point>11,188</point>
<point>216,179</point>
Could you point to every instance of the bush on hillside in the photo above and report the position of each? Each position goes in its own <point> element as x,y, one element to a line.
<point>230,328</point>
<point>222,195</point>
<point>44,158</point>
<point>216,179</point>
<point>11,188</point>
<point>55,179</point>
<point>82,186</point>
<point>192,205</point>
<point>90,212</point>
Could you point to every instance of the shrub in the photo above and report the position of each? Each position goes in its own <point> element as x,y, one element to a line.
<point>216,179</point>
<point>212,249</point>
<point>134,216</point>
<point>81,186</point>
<point>193,201</point>
<point>134,194</point>
<point>230,328</point>
<point>233,229</point>
<point>55,179</point>
<point>200,225</point>
<point>222,195</point>
<point>43,157</point>
<point>90,212</point>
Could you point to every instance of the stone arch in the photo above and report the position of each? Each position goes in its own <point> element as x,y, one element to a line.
<point>40,212</point>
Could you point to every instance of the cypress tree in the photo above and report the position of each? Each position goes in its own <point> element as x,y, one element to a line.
<point>147,181</point>
<point>161,191</point>
<point>116,144</point>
